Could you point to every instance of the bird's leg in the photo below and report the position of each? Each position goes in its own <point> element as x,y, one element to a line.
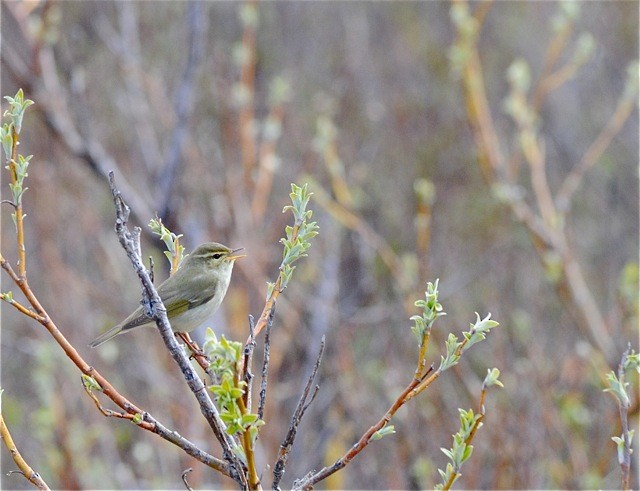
<point>196,352</point>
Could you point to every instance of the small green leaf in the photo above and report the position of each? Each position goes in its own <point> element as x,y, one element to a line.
<point>384,431</point>
<point>492,378</point>
<point>90,383</point>
<point>137,419</point>
<point>6,137</point>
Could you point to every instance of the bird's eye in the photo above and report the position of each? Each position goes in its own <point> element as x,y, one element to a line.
<point>218,255</point>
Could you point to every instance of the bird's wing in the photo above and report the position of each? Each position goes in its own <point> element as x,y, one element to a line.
<point>202,288</point>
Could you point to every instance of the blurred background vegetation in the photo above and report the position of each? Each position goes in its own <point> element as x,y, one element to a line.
<point>207,112</point>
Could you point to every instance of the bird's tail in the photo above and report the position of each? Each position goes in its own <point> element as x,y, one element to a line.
<point>103,338</point>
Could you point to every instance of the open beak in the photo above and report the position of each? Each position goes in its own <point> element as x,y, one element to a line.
<point>233,256</point>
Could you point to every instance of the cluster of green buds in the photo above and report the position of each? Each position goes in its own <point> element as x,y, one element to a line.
<point>175,251</point>
<point>9,133</point>
<point>298,237</point>
<point>455,348</point>
<point>516,103</point>
<point>461,450</point>
<point>467,27</point>
<point>618,388</point>
<point>431,310</point>
<point>226,357</point>
<point>17,107</point>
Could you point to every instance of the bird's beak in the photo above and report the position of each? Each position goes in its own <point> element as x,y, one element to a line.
<point>232,256</point>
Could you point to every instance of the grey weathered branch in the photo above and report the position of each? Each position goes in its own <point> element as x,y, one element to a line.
<point>303,404</point>
<point>265,363</point>
<point>158,312</point>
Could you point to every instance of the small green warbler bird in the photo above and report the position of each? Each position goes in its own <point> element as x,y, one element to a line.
<point>191,295</point>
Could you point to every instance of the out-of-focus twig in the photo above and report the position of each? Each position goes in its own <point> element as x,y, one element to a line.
<point>184,99</point>
<point>597,148</point>
<point>268,160</point>
<point>547,236</point>
<point>249,18</point>
<point>39,77</point>
<point>354,222</point>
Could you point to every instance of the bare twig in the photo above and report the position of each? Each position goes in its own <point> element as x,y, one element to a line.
<point>55,107</point>
<point>25,468</point>
<point>309,480</point>
<point>247,361</point>
<point>265,364</point>
<point>545,234</point>
<point>247,88</point>
<point>163,432</point>
<point>415,387</point>
<point>21,308</point>
<point>267,166</point>
<point>191,449</point>
<point>158,312</point>
<point>353,221</point>
<point>303,404</point>
<point>9,202</point>
<point>594,152</point>
<point>184,478</point>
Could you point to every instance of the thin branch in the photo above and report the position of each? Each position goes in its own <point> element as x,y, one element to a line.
<point>148,422</point>
<point>159,314</point>
<point>191,449</point>
<point>265,364</point>
<point>25,468</point>
<point>53,102</point>
<point>623,408</point>
<point>303,404</point>
<point>247,360</point>
<point>18,214</point>
<point>534,153</point>
<point>21,308</point>
<point>594,152</point>
<point>247,87</point>
<point>309,480</point>
<point>555,48</point>
<point>196,352</point>
<point>417,385</point>
<point>9,202</point>
<point>544,236</point>
<point>184,478</point>
<point>353,221</point>
<point>267,165</point>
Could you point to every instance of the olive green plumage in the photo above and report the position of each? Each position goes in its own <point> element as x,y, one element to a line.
<point>191,295</point>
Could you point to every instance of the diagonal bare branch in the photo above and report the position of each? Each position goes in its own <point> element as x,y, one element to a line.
<point>303,404</point>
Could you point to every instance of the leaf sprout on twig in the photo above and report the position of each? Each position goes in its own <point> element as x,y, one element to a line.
<point>175,250</point>
<point>618,388</point>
